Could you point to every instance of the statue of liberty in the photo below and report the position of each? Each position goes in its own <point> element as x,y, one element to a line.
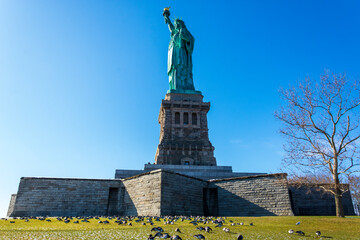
<point>179,67</point>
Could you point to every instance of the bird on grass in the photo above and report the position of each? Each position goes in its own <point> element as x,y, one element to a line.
<point>151,237</point>
<point>291,231</point>
<point>67,221</point>
<point>199,236</point>
<point>300,233</point>
<point>158,234</point>
<point>240,237</point>
<point>208,229</point>
<point>200,228</point>
<point>177,230</point>
<point>226,230</point>
<point>176,237</point>
<point>318,233</point>
<point>157,229</point>
<point>298,223</point>
<point>165,236</point>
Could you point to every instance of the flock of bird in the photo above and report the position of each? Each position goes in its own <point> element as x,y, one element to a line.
<point>159,231</point>
<point>195,221</point>
<point>301,233</point>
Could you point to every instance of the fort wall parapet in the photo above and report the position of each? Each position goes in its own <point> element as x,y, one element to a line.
<point>155,193</point>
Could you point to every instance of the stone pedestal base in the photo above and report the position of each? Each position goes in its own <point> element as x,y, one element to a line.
<point>201,172</point>
<point>184,136</point>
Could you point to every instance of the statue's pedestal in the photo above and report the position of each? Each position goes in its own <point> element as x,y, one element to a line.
<point>184,136</point>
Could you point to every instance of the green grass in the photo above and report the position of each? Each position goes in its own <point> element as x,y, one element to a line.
<point>263,228</point>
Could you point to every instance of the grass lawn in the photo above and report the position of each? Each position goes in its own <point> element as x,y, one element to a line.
<point>263,228</point>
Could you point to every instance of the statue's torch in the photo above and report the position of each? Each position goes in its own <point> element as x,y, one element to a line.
<point>166,12</point>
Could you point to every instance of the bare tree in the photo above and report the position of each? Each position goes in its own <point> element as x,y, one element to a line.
<point>321,125</point>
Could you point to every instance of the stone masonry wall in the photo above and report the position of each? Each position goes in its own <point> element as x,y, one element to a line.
<point>264,195</point>
<point>143,195</point>
<point>181,195</point>
<point>311,200</point>
<point>62,196</point>
<point>11,205</point>
<point>162,192</point>
<point>139,195</point>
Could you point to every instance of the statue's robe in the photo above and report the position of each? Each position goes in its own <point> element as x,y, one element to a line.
<point>180,60</point>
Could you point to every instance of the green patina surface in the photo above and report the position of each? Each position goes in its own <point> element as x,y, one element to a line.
<point>263,228</point>
<point>179,67</point>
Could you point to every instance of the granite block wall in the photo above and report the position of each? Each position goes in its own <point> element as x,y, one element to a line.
<point>11,205</point>
<point>311,200</point>
<point>264,195</point>
<point>62,196</point>
<point>181,195</point>
<point>162,192</point>
<point>142,195</point>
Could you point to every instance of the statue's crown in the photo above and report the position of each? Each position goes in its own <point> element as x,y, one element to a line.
<point>178,20</point>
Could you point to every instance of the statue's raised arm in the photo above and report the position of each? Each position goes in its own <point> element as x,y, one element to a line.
<point>180,56</point>
<point>166,15</point>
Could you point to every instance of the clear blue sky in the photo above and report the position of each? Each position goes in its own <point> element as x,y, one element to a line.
<point>81,82</point>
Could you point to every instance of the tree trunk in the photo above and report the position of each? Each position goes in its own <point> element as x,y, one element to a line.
<point>338,199</point>
<point>339,206</point>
